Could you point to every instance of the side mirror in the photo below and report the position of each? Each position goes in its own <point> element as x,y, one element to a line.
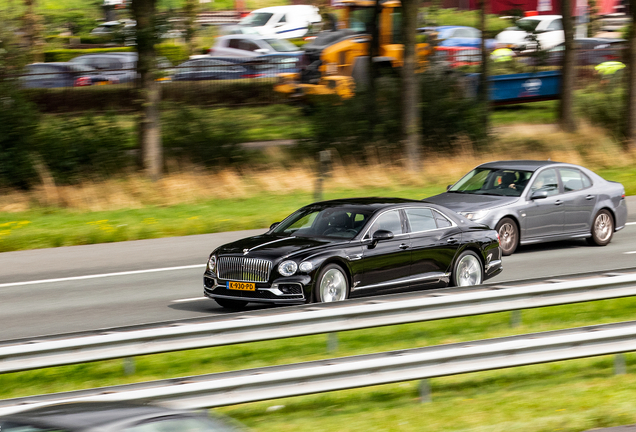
<point>540,194</point>
<point>382,235</point>
<point>448,187</point>
<point>261,51</point>
<point>274,225</point>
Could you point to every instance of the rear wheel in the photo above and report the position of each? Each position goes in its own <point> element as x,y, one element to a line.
<point>332,284</point>
<point>508,236</point>
<point>468,270</point>
<point>602,229</point>
<point>231,304</point>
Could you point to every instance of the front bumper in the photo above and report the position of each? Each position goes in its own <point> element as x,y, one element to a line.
<point>292,290</point>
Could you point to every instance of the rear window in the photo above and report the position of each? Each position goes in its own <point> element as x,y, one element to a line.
<point>256,19</point>
<point>527,24</point>
<point>281,45</point>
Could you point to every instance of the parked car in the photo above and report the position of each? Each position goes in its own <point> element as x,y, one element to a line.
<point>458,36</point>
<point>245,45</point>
<point>112,417</point>
<point>120,66</point>
<point>62,74</point>
<point>548,29</point>
<point>537,201</point>
<point>332,250</point>
<point>215,68</point>
<point>282,22</point>
<point>454,57</point>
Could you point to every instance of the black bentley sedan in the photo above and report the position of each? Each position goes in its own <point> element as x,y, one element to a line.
<point>332,250</point>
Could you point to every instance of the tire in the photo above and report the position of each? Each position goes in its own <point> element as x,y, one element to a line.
<point>236,305</point>
<point>331,284</point>
<point>602,228</point>
<point>468,270</point>
<point>508,236</point>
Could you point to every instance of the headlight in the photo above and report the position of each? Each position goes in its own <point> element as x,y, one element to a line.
<point>305,267</point>
<point>212,264</point>
<point>287,268</point>
<point>474,215</point>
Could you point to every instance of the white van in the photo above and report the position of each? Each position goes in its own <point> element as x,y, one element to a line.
<point>282,22</point>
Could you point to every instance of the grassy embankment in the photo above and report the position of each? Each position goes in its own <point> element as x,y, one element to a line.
<point>568,396</point>
<point>193,201</point>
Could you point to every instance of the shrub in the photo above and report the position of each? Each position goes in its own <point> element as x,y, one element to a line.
<point>175,53</point>
<point>601,106</point>
<point>82,147</point>
<point>191,136</point>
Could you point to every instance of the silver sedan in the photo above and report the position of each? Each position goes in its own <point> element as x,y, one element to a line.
<point>538,201</point>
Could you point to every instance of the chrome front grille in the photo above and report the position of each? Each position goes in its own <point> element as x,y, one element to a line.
<point>244,269</point>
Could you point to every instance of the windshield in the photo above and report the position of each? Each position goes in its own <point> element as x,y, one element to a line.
<point>489,181</point>
<point>282,45</point>
<point>527,24</point>
<point>256,19</point>
<point>318,221</point>
<point>360,20</point>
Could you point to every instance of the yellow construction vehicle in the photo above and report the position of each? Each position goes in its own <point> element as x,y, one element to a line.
<point>336,59</point>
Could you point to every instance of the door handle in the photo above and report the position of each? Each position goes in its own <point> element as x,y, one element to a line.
<point>558,202</point>
<point>404,246</point>
<point>452,240</point>
<point>589,197</point>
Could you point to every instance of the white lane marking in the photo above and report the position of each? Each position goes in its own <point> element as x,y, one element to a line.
<point>189,300</point>
<point>630,223</point>
<point>628,253</point>
<point>96,276</point>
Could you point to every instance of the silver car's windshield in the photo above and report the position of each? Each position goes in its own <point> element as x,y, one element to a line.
<point>319,221</point>
<point>490,181</point>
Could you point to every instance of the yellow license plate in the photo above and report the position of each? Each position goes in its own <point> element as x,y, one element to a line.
<point>242,286</point>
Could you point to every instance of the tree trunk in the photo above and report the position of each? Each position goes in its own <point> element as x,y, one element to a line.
<point>149,95</point>
<point>630,123</point>
<point>484,93</point>
<point>410,88</point>
<point>374,51</point>
<point>33,31</point>
<point>566,118</point>
<point>190,9</point>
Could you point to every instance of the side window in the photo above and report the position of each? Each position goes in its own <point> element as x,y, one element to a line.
<point>420,219</point>
<point>396,26</point>
<point>283,19</point>
<point>557,24</point>
<point>546,181</point>
<point>234,43</point>
<point>389,221</point>
<point>573,179</point>
<point>246,45</point>
<point>441,220</point>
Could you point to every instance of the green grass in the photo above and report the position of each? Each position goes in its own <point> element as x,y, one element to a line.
<point>54,227</point>
<point>528,113</point>
<point>572,395</point>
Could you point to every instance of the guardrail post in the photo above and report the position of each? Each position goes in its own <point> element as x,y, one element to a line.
<point>619,364</point>
<point>332,342</point>
<point>515,318</point>
<point>425,391</point>
<point>323,171</point>
<point>129,365</point>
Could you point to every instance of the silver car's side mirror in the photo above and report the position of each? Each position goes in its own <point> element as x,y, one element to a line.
<point>540,194</point>
<point>274,225</point>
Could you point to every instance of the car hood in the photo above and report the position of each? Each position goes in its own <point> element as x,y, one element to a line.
<point>512,36</point>
<point>469,202</point>
<point>272,246</point>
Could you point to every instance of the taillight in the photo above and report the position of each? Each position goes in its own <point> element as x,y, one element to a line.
<point>209,51</point>
<point>252,75</point>
<point>623,196</point>
<point>82,81</point>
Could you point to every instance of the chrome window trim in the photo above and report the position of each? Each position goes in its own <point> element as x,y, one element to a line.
<point>453,224</point>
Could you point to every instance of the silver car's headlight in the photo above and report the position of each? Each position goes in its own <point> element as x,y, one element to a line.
<point>474,215</point>
<point>287,268</point>
<point>212,264</point>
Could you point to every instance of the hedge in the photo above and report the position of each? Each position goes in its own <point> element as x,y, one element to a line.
<point>175,53</point>
<point>123,96</point>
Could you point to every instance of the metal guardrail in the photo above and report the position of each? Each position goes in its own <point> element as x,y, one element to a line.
<point>305,320</point>
<point>228,388</point>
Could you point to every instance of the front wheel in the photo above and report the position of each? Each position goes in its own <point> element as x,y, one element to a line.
<point>332,284</point>
<point>602,228</point>
<point>468,270</point>
<point>508,236</point>
<point>235,305</point>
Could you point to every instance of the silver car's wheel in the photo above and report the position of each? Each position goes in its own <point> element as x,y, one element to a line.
<point>508,236</point>
<point>602,228</point>
<point>332,284</point>
<point>468,270</point>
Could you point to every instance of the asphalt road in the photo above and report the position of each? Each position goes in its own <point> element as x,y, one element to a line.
<point>79,288</point>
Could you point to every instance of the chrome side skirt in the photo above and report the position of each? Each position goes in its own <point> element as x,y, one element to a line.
<point>432,276</point>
